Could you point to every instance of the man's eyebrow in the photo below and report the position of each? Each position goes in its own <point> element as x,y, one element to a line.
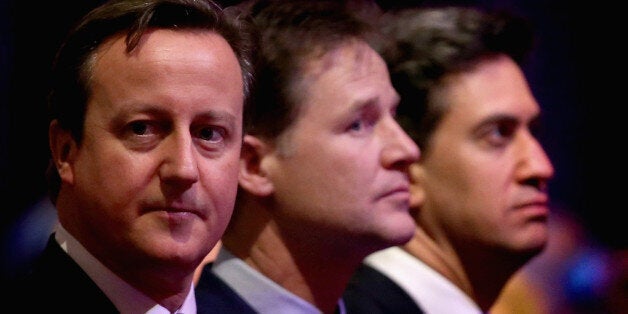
<point>371,101</point>
<point>219,116</point>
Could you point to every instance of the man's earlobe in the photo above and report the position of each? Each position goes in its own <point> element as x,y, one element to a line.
<point>62,148</point>
<point>417,193</point>
<point>253,177</point>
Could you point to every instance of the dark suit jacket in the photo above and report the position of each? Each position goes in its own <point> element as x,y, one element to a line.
<point>371,292</point>
<point>57,284</point>
<point>214,296</point>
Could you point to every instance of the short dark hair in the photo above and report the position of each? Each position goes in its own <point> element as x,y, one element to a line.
<point>291,33</point>
<point>432,42</point>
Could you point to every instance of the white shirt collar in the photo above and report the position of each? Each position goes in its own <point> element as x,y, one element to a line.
<point>125,297</point>
<point>263,294</point>
<point>428,288</point>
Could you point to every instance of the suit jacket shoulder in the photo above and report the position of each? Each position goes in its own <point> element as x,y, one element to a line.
<point>370,291</point>
<point>56,283</point>
<point>214,296</point>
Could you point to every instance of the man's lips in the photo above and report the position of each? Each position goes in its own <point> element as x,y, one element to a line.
<point>400,191</point>
<point>177,210</point>
<point>537,207</point>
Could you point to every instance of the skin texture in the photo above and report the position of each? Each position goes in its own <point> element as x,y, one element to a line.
<point>347,136</point>
<point>154,181</point>
<point>334,186</point>
<point>482,181</point>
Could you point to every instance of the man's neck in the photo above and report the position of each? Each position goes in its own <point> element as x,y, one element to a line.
<point>313,272</point>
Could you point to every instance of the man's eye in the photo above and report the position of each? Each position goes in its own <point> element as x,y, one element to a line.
<point>356,125</point>
<point>211,134</point>
<point>500,134</point>
<point>507,130</point>
<point>139,128</point>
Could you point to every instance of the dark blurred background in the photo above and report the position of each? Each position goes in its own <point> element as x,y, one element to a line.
<point>570,72</point>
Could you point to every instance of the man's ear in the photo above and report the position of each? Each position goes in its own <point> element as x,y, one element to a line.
<point>253,177</point>
<point>63,149</point>
<point>417,192</point>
